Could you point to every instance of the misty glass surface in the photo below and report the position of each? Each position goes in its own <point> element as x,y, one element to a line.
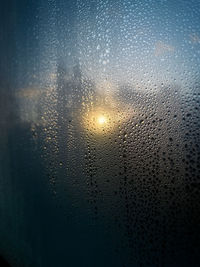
<point>99,133</point>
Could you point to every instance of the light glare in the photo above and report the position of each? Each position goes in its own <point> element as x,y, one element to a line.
<point>101,120</point>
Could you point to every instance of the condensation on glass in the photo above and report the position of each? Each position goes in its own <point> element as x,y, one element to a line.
<point>99,133</point>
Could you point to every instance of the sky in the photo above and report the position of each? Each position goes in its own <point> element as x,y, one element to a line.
<point>142,43</point>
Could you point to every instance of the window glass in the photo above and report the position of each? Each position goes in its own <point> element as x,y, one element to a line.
<point>99,133</point>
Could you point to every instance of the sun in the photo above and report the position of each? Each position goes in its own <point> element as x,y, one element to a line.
<point>101,120</point>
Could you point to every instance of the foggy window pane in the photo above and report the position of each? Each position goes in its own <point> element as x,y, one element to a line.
<point>99,133</point>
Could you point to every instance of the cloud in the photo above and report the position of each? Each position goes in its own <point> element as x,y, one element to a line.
<point>162,48</point>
